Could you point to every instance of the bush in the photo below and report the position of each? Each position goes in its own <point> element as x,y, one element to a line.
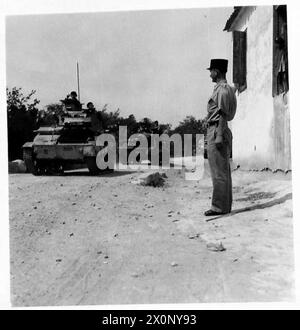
<point>21,120</point>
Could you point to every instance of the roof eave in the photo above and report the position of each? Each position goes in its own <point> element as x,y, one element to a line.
<point>238,11</point>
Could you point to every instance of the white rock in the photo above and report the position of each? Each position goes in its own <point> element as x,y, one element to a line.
<point>17,166</point>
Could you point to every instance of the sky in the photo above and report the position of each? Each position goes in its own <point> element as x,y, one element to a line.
<point>148,63</point>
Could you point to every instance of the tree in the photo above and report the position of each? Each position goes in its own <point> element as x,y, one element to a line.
<point>190,125</point>
<point>131,124</point>
<point>110,119</point>
<point>55,108</point>
<point>164,129</point>
<point>16,98</point>
<point>145,125</point>
<point>21,120</point>
<point>51,116</point>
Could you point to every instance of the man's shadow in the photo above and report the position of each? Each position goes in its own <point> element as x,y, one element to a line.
<point>104,173</point>
<point>255,207</point>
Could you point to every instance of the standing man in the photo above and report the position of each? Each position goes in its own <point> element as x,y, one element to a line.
<point>221,108</point>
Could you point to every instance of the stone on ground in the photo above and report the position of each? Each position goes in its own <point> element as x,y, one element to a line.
<point>17,166</point>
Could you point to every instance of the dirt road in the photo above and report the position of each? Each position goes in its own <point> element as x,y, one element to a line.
<point>83,240</point>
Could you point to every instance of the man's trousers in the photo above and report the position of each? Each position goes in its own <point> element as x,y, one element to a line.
<point>219,163</point>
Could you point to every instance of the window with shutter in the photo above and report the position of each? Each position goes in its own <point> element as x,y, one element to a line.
<point>240,60</point>
<point>280,51</point>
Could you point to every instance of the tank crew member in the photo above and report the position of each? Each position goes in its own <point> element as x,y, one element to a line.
<point>90,108</point>
<point>221,109</point>
<point>73,102</point>
<point>96,122</point>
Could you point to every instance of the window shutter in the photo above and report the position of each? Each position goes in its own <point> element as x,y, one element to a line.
<point>280,49</point>
<point>239,58</point>
<point>236,57</point>
<point>275,50</point>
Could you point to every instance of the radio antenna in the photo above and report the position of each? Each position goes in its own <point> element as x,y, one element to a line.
<point>78,87</point>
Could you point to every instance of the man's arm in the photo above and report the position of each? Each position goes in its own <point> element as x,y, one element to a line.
<point>221,125</point>
<point>223,105</point>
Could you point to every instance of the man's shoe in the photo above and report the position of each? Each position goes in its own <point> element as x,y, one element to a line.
<point>210,213</point>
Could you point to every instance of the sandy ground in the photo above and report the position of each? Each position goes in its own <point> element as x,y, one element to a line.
<point>83,240</point>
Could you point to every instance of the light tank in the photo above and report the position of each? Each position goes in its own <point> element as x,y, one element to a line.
<point>71,144</point>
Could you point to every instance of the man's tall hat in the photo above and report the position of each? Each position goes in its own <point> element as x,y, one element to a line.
<point>218,63</point>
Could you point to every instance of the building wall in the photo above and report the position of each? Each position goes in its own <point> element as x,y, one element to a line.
<point>261,126</point>
<point>282,132</point>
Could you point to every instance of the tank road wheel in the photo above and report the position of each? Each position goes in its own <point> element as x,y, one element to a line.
<point>61,170</point>
<point>28,159</point>
<point>92,165</point>
<point>38,169</point>
<point>54,168</point>
<point>58,168</point>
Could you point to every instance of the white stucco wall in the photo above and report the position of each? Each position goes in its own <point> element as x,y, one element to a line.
<point>252,126</point>
<point>282,132</point>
